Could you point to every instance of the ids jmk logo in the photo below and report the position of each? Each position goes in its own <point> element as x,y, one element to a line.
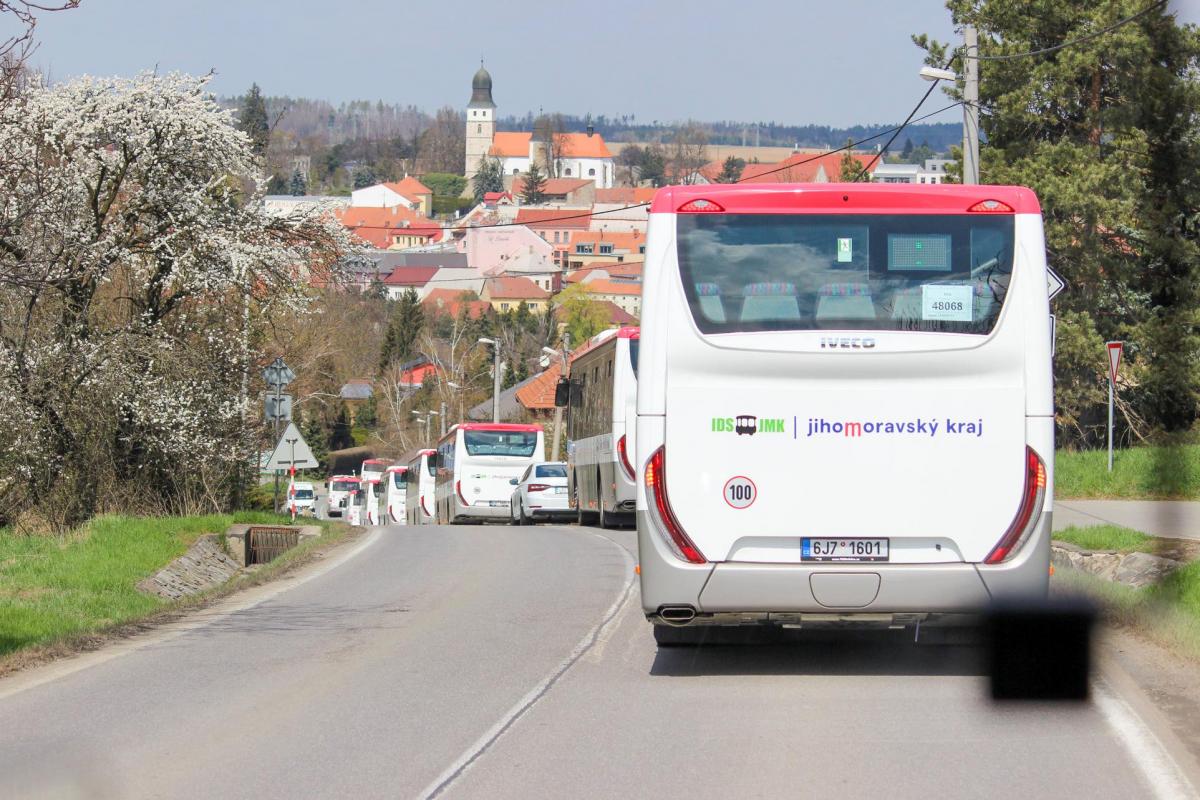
<point>747,425</point>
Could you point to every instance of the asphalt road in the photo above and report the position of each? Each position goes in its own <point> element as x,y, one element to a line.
<point>491,662</point>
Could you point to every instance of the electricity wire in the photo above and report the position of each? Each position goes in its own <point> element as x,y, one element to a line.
<point>1071,43</point>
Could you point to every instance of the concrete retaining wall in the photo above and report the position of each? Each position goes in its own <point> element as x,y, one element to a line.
<point>203,566</point>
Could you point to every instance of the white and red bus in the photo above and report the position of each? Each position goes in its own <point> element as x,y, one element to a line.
<point>341,494</point>
<point>418,495</point>
<point>372,468</point>
<point>600,480</point>
<point>845,406</point>
<point>394,488</point>
<point>476,462</point>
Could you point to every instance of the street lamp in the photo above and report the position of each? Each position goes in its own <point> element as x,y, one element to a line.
<point>970,57</point>
<point>495,376</point>
<point>558,412</point>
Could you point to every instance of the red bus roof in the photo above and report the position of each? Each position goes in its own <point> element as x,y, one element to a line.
<point>426,452</point>
<point>498,426</point>
<point>845,198</point>
<point>385,461</point>
<point>629,333</point>
<point>397,468</point>
<point>344,478</point>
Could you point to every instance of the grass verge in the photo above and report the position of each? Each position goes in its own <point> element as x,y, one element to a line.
<point>59,596</point>
<point>1139,473</point>
<point>1168,613</point>
<point>1106,537</point>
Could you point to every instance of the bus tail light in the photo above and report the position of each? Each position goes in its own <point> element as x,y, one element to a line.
<point>538,487</point>
<point>623,452</point>
<point>700,206</point>
<point>1027,517</point>
<point>656,487</point>
<point>458,489</point>
<point>991,207</point>
<point>424,509</point>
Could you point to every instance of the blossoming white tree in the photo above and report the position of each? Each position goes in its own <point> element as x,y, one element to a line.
<point>136,264</point>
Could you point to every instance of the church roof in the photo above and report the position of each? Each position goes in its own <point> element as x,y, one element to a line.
<point>515,144</point>
<point>481,89</point>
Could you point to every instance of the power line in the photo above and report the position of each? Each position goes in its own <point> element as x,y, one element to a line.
<point>1071,43</point>
<point>865,170</point>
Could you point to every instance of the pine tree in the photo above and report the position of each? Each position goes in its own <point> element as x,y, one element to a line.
<point>731,170</point>
<point>404,327</point>
<point>850,168</point>
<point>297,187</point>
<point>534,190</point>
<point>252,120</point>
<point>906,154</point>
<point>312,428</point>
<point>489,178</point>
<point>364,177</point>
<point>1103,131</point>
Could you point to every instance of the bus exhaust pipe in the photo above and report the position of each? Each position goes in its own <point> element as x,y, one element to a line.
<point>677,615</point>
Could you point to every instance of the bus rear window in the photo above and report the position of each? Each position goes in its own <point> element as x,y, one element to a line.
<point>550,471</point>
<point>344,486</point>
<point>500,443</point>
<point>909,272</point>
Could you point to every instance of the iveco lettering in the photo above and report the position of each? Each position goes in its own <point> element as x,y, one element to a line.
<point>894,341</point>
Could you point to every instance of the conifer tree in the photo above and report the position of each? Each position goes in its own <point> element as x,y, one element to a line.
<point>252,120</point>
<point>535,185</point>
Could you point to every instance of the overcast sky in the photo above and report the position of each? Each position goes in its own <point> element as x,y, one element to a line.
<point>836,63</point>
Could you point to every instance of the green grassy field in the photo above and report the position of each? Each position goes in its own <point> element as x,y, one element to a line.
<point>54,588</point>
<point>1105,537</point>
<point>1138,473</point>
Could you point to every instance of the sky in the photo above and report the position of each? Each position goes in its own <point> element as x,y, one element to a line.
<point>835,63</point>
<point>790,61</point>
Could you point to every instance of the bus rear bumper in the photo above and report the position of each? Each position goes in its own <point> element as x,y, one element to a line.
<point>731,593</point>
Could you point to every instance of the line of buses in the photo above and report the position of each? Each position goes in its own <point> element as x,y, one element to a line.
<point>838,408</point>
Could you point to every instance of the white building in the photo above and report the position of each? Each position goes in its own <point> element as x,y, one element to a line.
<point>571,155</point>
<point>410,193</point>
<point>932,171</point>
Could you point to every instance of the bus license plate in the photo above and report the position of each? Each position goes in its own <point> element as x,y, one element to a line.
<point>843,549</point>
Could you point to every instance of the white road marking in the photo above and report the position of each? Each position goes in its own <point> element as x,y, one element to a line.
<point>1161,773</point>
<point>518,710</point>
<point>246,599</point>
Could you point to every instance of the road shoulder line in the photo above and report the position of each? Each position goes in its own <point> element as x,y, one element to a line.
<point>481,745</point>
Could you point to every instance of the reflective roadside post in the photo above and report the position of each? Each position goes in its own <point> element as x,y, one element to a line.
<point>1115,349</point>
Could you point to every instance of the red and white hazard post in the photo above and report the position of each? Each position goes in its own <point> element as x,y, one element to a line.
<point>1115,349</point>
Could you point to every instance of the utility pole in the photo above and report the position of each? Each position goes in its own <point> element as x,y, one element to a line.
<point>970,105</point>
<point>495,343</point>
<point>558,412</point>
<point>443,418</point>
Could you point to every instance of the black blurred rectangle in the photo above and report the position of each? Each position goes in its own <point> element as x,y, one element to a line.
<point>1041,652</point>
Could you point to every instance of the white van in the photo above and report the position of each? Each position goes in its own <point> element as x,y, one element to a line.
<point>603,393</point>
<point>304,498</point>
<point>476,462</point>
<point>393,488</point>
<point>418,492</point>
<point>845,409</point>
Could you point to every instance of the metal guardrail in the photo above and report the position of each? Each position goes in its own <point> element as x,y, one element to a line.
<point>265,543</point>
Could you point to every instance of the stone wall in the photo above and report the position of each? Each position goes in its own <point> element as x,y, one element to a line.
<point>203,566</point>
<point>1132,569</point>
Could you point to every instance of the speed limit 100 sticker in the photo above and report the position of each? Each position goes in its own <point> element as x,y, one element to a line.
<point>740,492</point>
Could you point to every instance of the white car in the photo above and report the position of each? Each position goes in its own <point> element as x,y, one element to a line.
<point>540,493</point>
<point>304,498</point>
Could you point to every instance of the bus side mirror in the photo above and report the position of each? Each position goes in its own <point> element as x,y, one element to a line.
<point>562,393</point>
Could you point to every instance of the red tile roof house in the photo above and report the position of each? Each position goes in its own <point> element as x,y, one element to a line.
<point>506,293</point>
<point>596,246</point>
<point>625,294</point>
<point>402,279</point>
<point>397,227</point>
<point>555,225</point>
<point>452,302</point>
<point>569,191</point>
<point>797,168</point>
<point>410,193</point>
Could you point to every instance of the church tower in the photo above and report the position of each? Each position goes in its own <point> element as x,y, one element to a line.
<point>481,122</point>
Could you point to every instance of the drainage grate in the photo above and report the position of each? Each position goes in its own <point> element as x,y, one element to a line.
<point>266,544</point>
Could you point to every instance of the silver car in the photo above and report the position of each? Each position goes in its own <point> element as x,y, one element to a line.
<point>540,493</point>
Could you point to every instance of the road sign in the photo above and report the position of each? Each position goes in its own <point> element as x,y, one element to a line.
<point>1115,349</point>
<point>278,374</point>
<point>278,407</point>
<point>1054,283</point>
<point>1114,360</point>
<point>292,451</point>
